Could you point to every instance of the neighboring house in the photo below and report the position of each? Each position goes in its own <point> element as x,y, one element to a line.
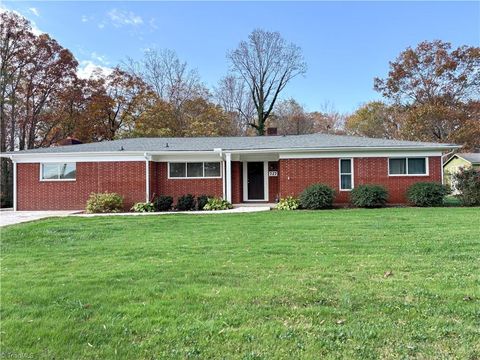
<point>458,161</point>
<point>239,169</point>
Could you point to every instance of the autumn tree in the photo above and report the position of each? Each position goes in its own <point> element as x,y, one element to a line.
<point>157,120</point>
<point>16,39</point>
<point>374,119</point>
<point>290,118</point>
<point>434,85</point>
<point>328,120</point>
<point>51,69</point>
<point>204,118</point>
<point>267,63</point>
<point>116,103</point>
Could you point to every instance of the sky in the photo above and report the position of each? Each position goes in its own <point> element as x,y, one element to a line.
<point>345,44</point>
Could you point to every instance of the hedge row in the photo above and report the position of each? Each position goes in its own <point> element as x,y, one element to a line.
<point>320,196</point>
<point>112,203</point>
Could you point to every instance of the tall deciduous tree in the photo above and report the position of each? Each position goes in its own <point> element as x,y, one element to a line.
<point>267,63</point>
<point>374,119</point>
<point>204,118</point>
<point>51,70</point>
<point>116,103</point>
<point>232,95</point>
<point>328,120</point>
<point>16,40</point>
<point>436,89</point>
<point>291,118</point>
<point>433,73</point>
<point>169,77</point>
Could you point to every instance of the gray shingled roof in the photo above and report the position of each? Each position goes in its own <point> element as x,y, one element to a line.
<point>474,158</point>
<point>311,141</point>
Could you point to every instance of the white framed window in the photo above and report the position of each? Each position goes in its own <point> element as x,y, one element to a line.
<point>408,166</point>
<point>58,171</point>
<point>346,174</point>
<point>193,170</point>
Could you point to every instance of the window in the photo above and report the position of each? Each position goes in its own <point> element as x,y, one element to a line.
<point>212,169</point>
<point>53,172</point>
<point>407,166</point>
<point>194,169</point>
<point>178,170</point>
<point>346,174</point>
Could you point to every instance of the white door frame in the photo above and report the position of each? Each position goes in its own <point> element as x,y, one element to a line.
<point>245,182</point>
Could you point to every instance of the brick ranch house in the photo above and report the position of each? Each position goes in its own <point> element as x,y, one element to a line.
<point>239,169</point>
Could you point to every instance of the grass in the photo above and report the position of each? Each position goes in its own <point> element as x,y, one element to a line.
<point>366,284</point>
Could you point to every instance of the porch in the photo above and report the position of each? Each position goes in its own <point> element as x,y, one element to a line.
<point>241,178</point>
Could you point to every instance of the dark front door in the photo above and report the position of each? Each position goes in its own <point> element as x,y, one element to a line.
<point>255,178</point>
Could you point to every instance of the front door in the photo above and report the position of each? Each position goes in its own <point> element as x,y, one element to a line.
<point>255,181</point>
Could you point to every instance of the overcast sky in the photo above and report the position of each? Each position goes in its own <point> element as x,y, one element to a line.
<point>345,44</point>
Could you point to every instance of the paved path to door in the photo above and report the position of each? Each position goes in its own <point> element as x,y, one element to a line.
<point>10,217</point>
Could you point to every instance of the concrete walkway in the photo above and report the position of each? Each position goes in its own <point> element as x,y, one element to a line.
<point>10,217</point>
<point>235,210</point>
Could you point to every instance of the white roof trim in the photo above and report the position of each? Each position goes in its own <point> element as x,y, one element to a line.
<point>140,155</point>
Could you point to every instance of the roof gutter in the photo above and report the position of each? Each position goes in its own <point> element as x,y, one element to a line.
<point>233,151</point>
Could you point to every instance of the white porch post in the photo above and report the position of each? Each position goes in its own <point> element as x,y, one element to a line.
<point>228,176</point>
<point>147,178</point>
<point>14,185</point>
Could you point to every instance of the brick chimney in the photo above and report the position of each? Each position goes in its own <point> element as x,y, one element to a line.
<point>68,141</point>
<point>271,131</point>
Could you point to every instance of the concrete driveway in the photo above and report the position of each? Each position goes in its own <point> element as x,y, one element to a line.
<point>10,217</point>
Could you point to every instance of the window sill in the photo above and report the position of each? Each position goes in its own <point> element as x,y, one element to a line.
<point>408,175</point>
<point>57,180</point>
<point>194,178</point>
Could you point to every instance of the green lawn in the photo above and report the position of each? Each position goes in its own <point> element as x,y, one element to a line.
<point>244,286</point>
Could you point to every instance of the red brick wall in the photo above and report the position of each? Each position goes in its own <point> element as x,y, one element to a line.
<point>297,174</point>
<point>128,179</point>
<point>124,178</point>
<point>162,185</point>
<point>237,182</point>
<point>273,182</point>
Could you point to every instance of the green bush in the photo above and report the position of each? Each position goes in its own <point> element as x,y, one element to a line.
<point>427,194</point>
<point>217,204</point>
<point>317,196</point>
<point>143,207</point>
<point>186,203</point>
<point>288,203</point>
<point>104,203</point>
<point>202,201</point>
<point>369,196</point>
<point>163,203</point>
<point>467,182</point>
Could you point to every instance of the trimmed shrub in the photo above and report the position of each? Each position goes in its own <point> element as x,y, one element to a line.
<point>288,203</point>
<point>369,196</point>
<point>186,203</point>
<point>217,204</point>
<point>317,196</point>
<point>143,207</point>
<point>427,194</point>
<point>202,201</point>
<point>163,203</point>
<point>104,203</point>
<point>467,182</point>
